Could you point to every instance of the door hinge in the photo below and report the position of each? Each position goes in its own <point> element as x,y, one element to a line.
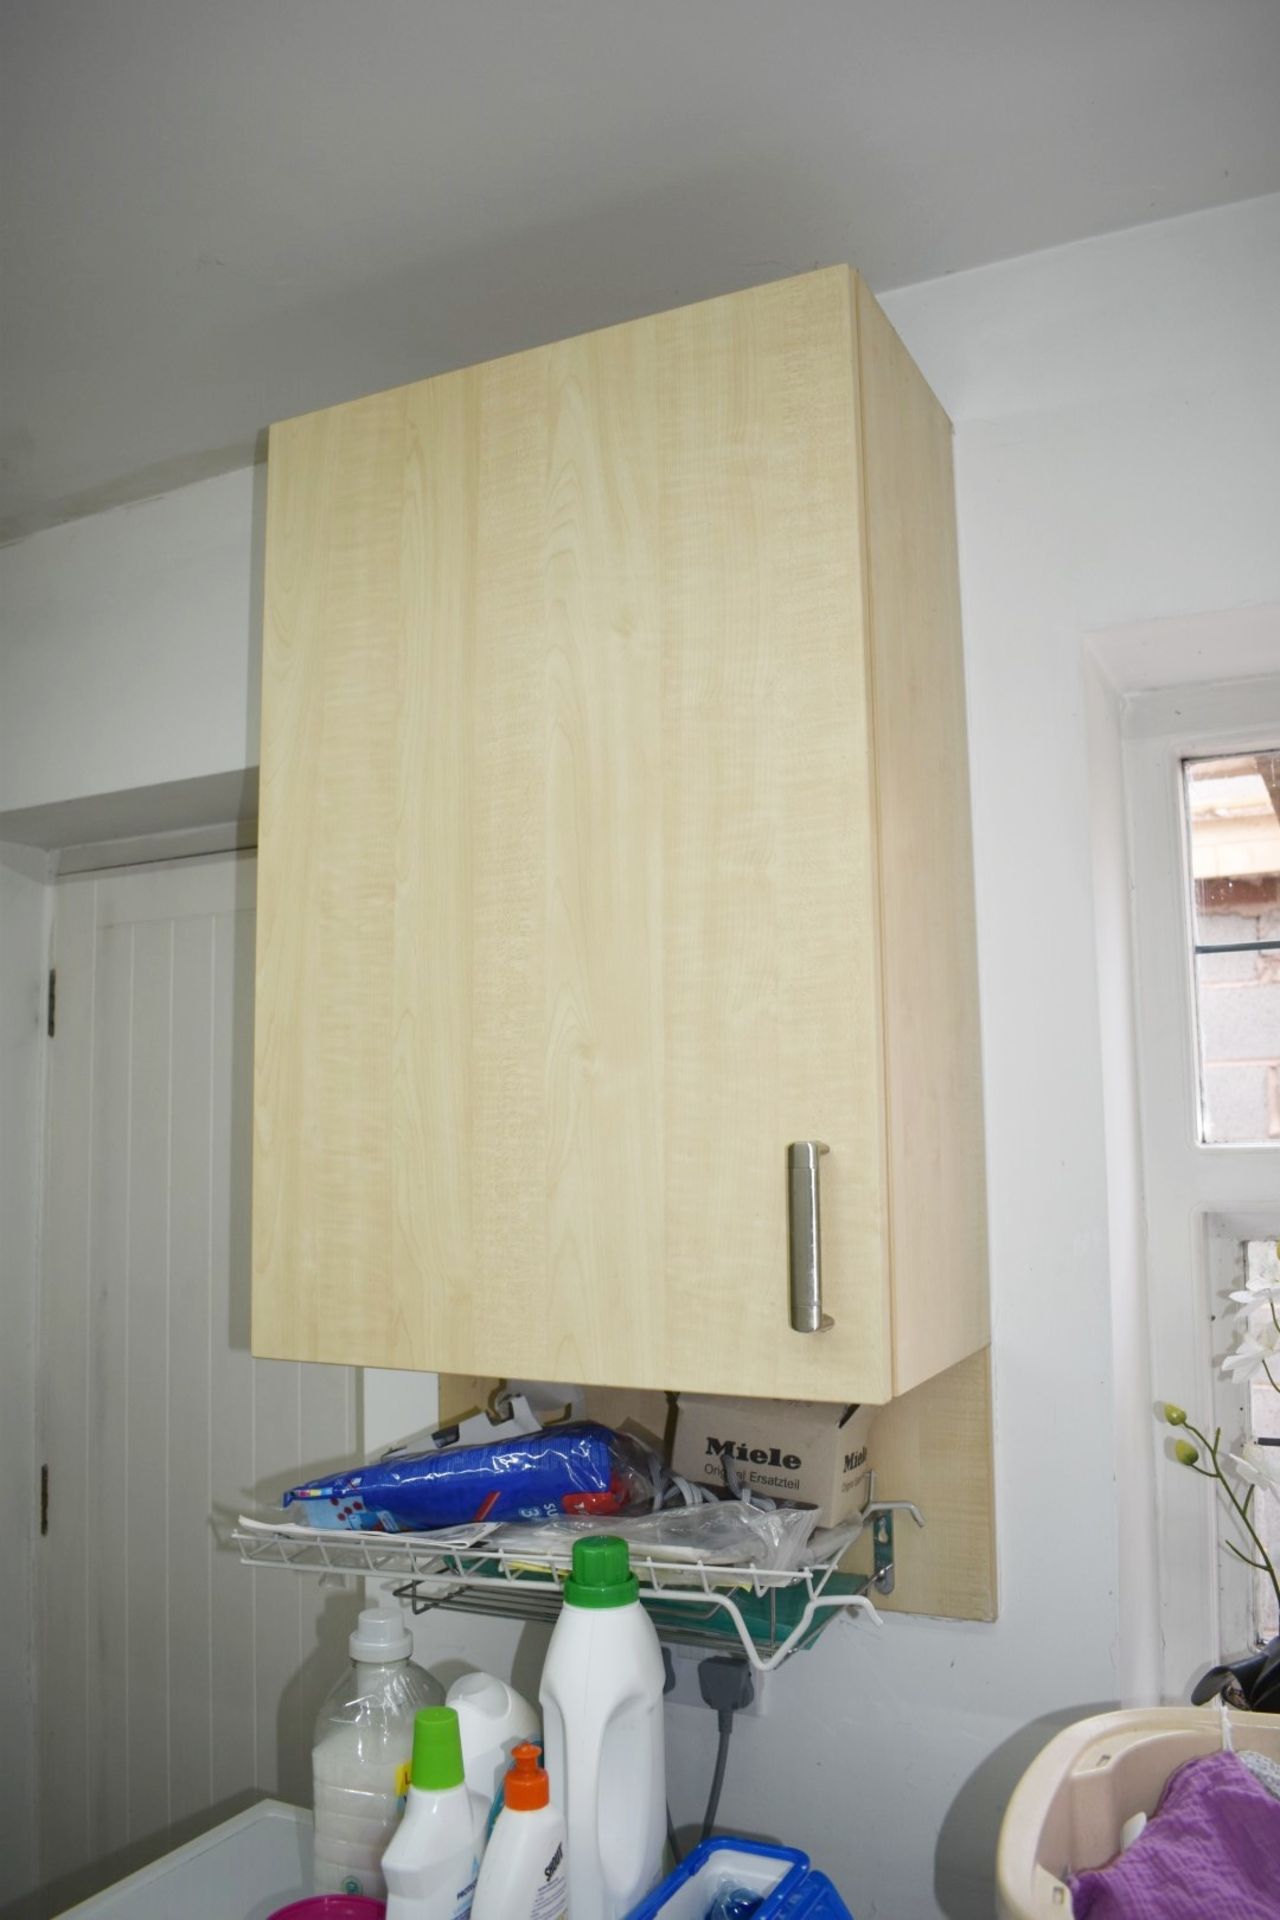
<point>44,1499</point>
<point>53,1000</point>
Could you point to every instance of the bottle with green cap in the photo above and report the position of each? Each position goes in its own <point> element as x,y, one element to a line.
<point>601,1698</point>
<point>431,1865</point>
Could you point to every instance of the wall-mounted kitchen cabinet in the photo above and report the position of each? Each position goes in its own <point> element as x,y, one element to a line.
<point>615,837</point>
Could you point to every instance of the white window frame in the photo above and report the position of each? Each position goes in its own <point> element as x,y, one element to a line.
<point>1200,1200</point>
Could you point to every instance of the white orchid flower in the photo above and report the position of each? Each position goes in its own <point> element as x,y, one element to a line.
<point>1258,1293</point>
<point>1259,1465</point>
<point>1257,1353</point>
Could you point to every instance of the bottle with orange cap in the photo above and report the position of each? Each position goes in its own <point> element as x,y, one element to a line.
<point>522,1875</point>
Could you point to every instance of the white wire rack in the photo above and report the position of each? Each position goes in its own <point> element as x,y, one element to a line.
<point>772,1614</point>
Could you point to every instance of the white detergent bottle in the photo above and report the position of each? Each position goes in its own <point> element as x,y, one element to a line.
<point>431,1865</point>
<point>602,1717</point>
<point>493,1720</point>
<point>360,1760</point>
<point>522,1875</point>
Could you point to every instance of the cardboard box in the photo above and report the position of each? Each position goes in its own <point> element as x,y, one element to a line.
<point>804,1451</point>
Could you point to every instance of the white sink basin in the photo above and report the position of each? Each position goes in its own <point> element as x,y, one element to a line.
<point>242,1870</point>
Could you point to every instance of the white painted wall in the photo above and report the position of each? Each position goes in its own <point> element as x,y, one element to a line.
<point>131,643</point>
<point>1118,460</point>
<point>25,909</point>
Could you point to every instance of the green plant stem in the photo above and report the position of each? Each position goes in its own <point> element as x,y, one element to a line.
<point>1211,1448</point>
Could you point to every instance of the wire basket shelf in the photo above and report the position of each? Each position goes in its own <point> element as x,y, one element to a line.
<point>769,1612</point>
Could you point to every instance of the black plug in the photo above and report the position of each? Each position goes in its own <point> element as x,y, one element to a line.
<point>726,1682</point>
<point>728,1686</point>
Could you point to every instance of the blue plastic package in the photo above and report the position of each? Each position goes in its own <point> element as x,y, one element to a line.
<point>578,1468</point>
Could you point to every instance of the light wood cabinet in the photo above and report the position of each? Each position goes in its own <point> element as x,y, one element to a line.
<point>614,835</point>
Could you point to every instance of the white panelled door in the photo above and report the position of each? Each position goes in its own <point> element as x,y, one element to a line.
<point>171,1678</point>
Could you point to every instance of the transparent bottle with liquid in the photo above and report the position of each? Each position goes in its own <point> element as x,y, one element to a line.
<point>361,1754</point>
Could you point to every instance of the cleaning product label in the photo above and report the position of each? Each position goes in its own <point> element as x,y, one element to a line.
<point>466,1895</point>
<point>404,1774</point>
<point>551,1902</point>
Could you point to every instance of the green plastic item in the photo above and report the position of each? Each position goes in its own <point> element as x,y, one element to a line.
<point>602,1575</point>
<point>437,1750</point>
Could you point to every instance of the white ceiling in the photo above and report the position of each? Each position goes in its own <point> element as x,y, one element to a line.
<point>220,212</point>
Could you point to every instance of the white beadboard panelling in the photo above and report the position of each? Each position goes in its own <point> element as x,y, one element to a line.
<point>106,1537</point>
<point>145,1383</point>
<point>232,1732</point>
<point>189,1412</point>
<point>25,906</point>
<point>173,1675</point>
<point>64,1564</point>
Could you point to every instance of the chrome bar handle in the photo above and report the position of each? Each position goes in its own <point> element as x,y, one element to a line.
<point>804,1236</point>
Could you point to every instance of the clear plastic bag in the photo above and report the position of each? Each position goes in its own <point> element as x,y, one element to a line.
<point>721,1533</point>
<point>734,1903</point>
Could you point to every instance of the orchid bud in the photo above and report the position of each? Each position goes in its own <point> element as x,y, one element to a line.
<point>1176,1416</point>
<point>1185,1454</point>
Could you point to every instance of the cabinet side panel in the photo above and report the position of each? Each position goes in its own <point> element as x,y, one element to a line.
<point>323,1286</point>
<point>772,1009</point>
<point>934,1446</point>
<point>937,1193</point>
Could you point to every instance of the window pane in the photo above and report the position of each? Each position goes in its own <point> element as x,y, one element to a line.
<point>1263,1268</point>
<point>1233,810</point>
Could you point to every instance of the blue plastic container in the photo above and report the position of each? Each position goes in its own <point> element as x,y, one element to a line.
<point>815,1899</point>
<point>789,1888</point>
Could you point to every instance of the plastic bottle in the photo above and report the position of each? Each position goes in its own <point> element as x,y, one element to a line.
<point>602,1716</point>
<point>493,1719</point>
<point>434,1855</point>
<point>522,1875</point>
<point>364,1736</point>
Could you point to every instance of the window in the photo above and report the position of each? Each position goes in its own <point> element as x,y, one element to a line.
<point>1233,838</point>
<point>1200,765</point>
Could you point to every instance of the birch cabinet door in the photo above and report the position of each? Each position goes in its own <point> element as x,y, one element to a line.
<point>569,896</point>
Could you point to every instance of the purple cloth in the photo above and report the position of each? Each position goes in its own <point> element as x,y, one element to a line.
<point>1211,1851</point>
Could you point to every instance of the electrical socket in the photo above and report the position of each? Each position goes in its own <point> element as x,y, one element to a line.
<point>686,1692</point>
